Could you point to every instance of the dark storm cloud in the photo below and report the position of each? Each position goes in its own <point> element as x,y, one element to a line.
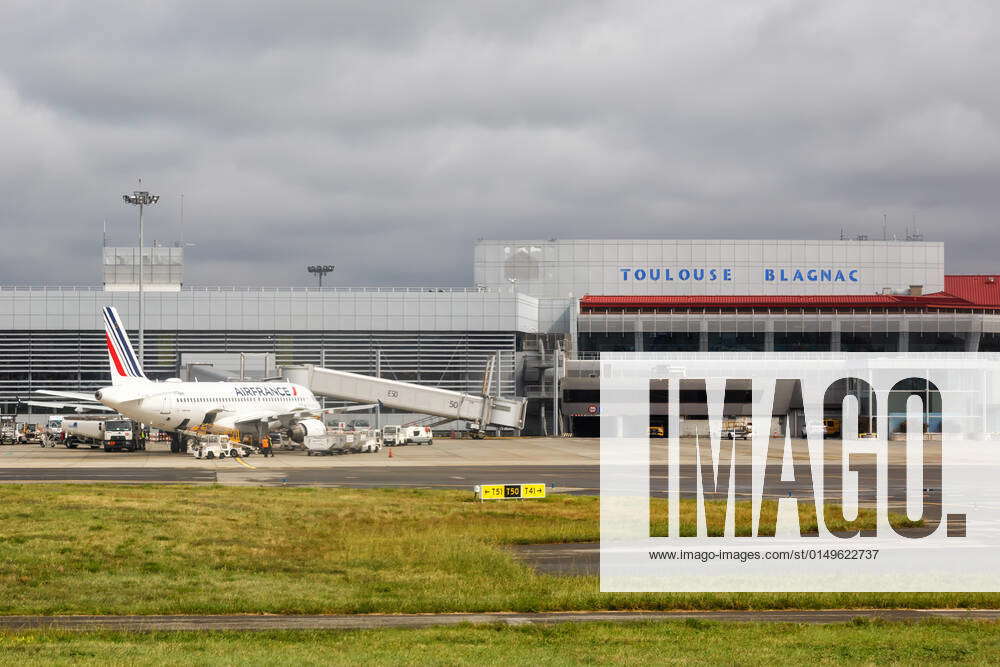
<point>387,137</point>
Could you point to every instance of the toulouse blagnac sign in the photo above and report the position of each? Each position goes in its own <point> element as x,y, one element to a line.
<point>863,472</point>
<point>704,274</point>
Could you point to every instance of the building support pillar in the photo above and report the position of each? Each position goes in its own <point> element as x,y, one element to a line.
<point>835,336</point>
<point>972,341</point>
<point>769,336</point>
<point>703,337</point>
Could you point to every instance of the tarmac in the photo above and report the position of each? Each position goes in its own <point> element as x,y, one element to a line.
<point>565,465</point>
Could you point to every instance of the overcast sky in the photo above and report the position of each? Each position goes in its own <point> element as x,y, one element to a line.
<point>386,137</point>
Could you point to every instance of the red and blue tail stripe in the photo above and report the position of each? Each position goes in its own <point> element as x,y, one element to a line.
<point>124,363</point>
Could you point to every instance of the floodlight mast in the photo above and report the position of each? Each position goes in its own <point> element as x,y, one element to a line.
<point>320,270</point>
<point>142,199</point>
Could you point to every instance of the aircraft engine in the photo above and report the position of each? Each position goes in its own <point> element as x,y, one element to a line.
<point>298,431</point>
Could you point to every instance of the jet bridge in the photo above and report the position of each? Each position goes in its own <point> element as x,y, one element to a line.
<point>483,411</point>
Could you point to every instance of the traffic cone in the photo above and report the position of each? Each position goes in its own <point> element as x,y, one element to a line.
<point>390,452</point>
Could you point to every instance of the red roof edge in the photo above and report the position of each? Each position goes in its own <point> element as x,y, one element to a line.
<point>961,292</point>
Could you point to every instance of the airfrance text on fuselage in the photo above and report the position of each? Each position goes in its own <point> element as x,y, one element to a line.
<point>769,275</point>
<point>277,390</point>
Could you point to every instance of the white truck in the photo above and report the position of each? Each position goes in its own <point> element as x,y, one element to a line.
<point>52,432</point>
<point>393,436</point>
<point>417,435</point>
<point>114,434</point>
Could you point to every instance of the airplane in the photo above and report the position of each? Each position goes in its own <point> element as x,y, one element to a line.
<point>242,409</point>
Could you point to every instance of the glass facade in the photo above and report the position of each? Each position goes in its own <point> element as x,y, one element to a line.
<point>869,342</point>
<point>680,341</point>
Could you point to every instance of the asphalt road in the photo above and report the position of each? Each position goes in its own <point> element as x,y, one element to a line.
<point>568,478</point>
<point>364,621</point>
<point>110,474</point>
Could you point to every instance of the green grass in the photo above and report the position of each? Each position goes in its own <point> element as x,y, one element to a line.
<point>97,549</point>
<point>715,518</point>
<point>692,642</point>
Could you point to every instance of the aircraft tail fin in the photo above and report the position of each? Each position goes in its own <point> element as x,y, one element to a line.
<point>125,366</point>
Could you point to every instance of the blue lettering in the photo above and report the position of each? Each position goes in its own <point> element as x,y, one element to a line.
<point>727,274</point>
<point>654,274</point>
<point>782,274</point>
<point>699,274</point>
<point>624,274</point>
<point>713,274</point>
<point>666,275</point>
<point>854,275</point>
<point>768,274</point>
<point>826,275</point>
<point>839,277</point>
<point>683,274</point>
<point>798,275</point>
<point>811,275</point>
<point>640,274</point>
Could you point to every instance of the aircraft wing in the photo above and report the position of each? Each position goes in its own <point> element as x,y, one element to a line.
<point>75,407</point>
<point>75,395</point>
<point>284,417</point>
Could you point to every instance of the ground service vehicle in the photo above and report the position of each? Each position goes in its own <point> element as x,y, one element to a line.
<point>53,428</point>
<point>30,433</point>
<point>417,435</point>
<point>367,440</point>
<point>361,440</point>
<point>114,434</point>
<point>656,431</point>
<point>737,433</point>
<point>8,429</point>
<point>84,432</point>
<point>392,436</point>
<point>827,428</point>
<point>215,446</point>
<point>121,434</point>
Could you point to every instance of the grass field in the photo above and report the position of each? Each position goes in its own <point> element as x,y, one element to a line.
<point>170,549</point>
<point>689,642</point>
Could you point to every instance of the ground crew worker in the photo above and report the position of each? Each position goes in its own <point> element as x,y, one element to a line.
<point>265,447</point>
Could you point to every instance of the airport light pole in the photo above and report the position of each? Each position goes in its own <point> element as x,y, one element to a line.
<point>320,270</point>
<point>142,199</point>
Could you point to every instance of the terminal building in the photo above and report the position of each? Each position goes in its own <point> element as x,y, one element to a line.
<point>548,308</point>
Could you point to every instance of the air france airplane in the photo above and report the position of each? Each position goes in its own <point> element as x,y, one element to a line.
<point>242,409</point>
